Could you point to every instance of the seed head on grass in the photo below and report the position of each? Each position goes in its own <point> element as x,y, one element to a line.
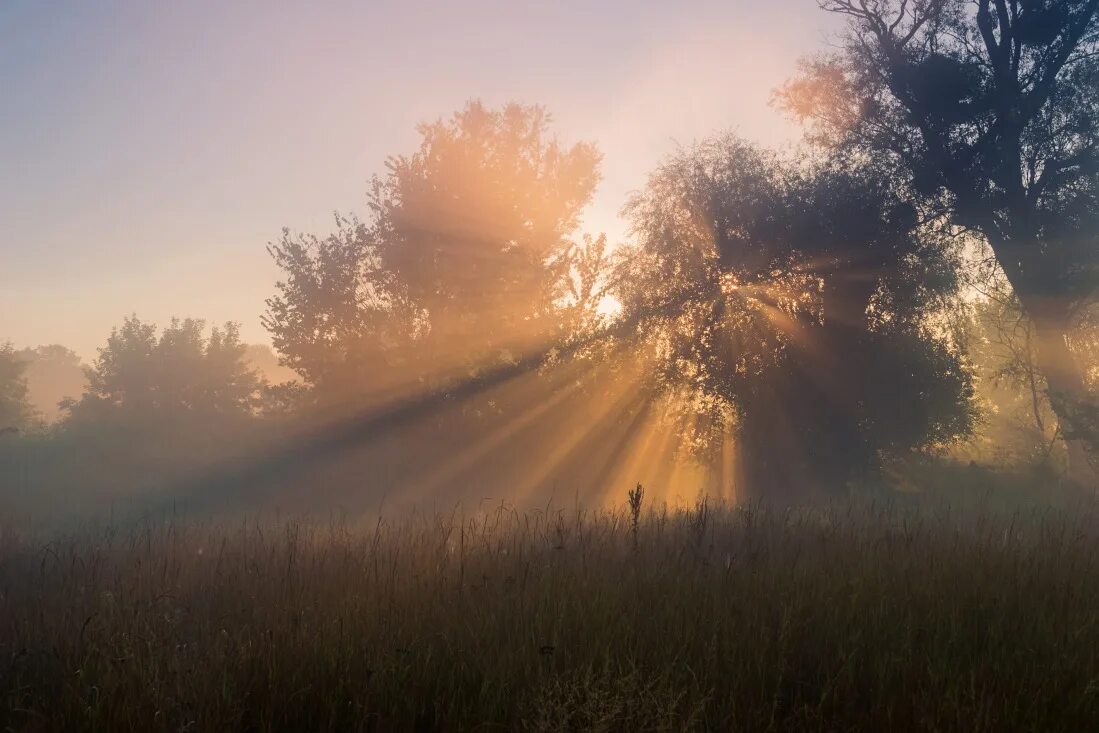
<point>635,496</point>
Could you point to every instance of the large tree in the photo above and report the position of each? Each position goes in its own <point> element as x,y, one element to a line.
<point>990,110</point>
<point>477,225</point>
<point>799,303</point>
<point>469,260</point>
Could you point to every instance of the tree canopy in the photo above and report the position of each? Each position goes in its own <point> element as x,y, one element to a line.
<point>988,111</point>
<point>799,303</point>
<point>178,372</point>
<point>476,227</point>
<point>471,257</point>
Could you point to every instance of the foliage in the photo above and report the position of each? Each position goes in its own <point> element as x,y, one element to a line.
<point>476,228</point>
<point>467,259</point>
<point>800,300</point>
<point>179,372</point>
<point>16,412</point>
<point>334,320</point>
<point>988,111</point>
<point>990,105</point>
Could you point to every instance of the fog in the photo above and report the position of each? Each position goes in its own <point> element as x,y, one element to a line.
<point>791,305</point>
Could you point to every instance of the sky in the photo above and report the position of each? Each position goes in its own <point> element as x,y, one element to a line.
<point>152,149</point>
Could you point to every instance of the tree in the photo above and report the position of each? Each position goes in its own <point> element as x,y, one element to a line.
<point>989,110</point>
<point>476,226</point>
<point>336,320</point>
<point>799,303</point>
<point>468,260</point>
<point>16,412</point>
<point>181,372</point>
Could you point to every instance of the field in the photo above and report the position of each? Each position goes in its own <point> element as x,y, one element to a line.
<point>851,617</point>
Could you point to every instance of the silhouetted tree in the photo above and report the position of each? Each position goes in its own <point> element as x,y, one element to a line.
<point>799,303</point>
<point>468,260</point>
<point>283,399</point>
<point>989,109</point>
<point>16,412</point>
<point>336,320</point>
<point>476,229</point>
<point>138,374</point>
<point>470,264</point>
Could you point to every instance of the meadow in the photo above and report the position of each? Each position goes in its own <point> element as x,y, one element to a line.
<point>859,616</point>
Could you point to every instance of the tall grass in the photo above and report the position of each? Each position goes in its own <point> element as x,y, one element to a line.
<point>853,617</point>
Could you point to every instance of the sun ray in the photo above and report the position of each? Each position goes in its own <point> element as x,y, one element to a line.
<point>469,457</point>
<point>580,432</point>
<point>634,467</point>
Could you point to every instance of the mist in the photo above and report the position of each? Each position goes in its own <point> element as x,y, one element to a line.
<point>587,368</point>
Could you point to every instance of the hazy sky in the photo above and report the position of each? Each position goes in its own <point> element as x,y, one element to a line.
<point>151,149</point>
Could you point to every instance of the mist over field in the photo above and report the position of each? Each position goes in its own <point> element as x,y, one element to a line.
<point>594,367</point>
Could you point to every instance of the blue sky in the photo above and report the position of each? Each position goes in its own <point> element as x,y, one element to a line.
<point>152,149</point>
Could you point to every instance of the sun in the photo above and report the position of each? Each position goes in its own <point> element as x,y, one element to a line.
<point>609,307</point>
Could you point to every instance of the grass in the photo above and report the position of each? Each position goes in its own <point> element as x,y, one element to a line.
<point>853,617</point>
